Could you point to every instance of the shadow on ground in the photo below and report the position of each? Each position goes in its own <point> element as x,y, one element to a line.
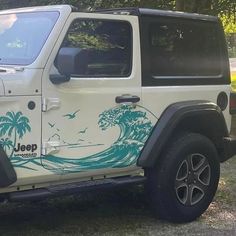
<point>123,212</point>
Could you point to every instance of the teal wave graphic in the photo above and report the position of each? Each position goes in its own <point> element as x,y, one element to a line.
<point>19,162</point>
<point>135,128</point>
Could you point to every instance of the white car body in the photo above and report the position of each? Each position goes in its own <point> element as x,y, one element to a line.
<point>66,141</point>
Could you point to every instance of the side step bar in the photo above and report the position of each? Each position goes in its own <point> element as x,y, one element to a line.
<point>74,188</point>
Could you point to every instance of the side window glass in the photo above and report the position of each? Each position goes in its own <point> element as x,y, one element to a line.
<point>104,46</point>
<point>184,48</point>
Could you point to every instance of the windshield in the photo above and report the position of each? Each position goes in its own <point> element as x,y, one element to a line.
<point>23,35</point>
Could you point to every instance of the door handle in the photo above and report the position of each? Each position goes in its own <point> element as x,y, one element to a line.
<point>127,98</point>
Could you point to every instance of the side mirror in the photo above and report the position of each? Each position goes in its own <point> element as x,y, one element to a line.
<point>66,62</point>
<point>59,79</point>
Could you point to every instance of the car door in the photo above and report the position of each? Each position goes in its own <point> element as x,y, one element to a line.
<point>93,121</point>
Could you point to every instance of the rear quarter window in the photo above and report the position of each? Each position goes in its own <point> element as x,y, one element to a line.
<point>178,51</point>
<point>184,49</point>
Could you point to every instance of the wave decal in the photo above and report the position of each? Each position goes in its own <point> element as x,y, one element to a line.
<point>135,128</point>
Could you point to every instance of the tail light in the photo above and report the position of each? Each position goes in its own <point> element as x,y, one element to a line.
<point>232,107</point>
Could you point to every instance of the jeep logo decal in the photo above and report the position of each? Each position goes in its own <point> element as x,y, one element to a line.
<point>23,148</point>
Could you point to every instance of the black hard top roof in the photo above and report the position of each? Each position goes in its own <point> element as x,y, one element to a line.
<point>155,12</point>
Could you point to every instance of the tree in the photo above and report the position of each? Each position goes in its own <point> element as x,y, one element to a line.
<point>13,125</point>
<point>198,6</point>
<point>92,4</point>
<point>210,7</point>
<point>6,143</point>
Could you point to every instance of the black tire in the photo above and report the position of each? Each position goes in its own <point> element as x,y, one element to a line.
<point>184,181</point>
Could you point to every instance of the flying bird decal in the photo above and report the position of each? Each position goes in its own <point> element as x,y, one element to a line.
<point>71,115</point>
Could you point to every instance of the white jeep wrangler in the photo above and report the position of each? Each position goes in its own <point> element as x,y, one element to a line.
<point>111,98</point>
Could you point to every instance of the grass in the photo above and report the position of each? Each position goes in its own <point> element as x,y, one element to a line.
<point>233,80</point>
<point>233,76</point>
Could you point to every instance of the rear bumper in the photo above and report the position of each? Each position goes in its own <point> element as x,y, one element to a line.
<point>229,148</point>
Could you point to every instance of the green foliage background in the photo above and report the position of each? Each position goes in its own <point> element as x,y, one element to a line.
<point>223,8</point>
<point>212,7</point>
<point>226,9</point>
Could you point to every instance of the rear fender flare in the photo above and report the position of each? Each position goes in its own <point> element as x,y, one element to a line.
<point>172,117</point>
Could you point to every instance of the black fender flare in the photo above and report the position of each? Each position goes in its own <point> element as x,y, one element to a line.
<point>172,116</point>
<point>7,172</point>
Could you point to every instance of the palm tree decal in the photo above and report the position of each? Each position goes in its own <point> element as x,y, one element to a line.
<point>6,143</point>
<point>13,125</point>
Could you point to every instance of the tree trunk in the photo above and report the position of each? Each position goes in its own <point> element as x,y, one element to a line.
<point>196,6</point>
<point>179,5</point>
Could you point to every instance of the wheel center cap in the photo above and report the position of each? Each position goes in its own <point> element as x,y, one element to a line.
<point>191,178</point>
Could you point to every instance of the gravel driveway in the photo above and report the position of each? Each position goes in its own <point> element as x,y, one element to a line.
<point>118,213</point>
